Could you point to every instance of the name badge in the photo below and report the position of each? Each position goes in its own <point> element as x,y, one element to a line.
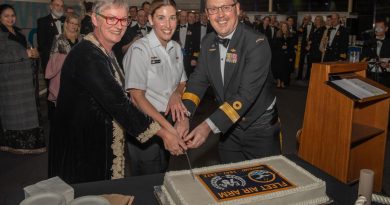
<point>155,60</point>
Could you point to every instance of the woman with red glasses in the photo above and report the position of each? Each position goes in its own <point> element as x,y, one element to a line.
<point>93,111</point>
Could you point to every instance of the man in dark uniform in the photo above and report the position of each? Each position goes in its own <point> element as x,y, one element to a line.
<point>47,28</point>
<point>235,62</point>
<point>184,35</point>
<point>133,15</point>
<point>306,29</point>
<point>377,49</point>
<point>294,35</point>
<point>265,28</point>
<point>314,43</point>
<point>337,45</point>
<point>132,34</point>
<point>200,30</point>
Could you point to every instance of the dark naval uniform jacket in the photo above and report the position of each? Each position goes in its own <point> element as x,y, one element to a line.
<point>190,47</point>
<point>46,31</point>
<point>339,47</point>
<point>246,92</point>
<point>370,46</point>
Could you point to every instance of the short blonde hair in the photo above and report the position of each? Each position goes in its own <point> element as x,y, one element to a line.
<point>101,5</point>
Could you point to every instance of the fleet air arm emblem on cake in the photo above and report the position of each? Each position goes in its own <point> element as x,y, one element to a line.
<point>243,182</point>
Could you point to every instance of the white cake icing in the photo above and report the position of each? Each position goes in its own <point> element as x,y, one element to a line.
<point>180,188</point>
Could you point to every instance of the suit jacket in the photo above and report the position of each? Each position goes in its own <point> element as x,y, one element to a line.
<point>130,34</point>
<point>315,38</point>
<point>191,43</point>
<point>266,31</point>
<point>196,37</point>
<point>339,47</point>
<point>369,49</point>
<point>46,31</point>
<point>246,91</point>
<point>86,25</point>
<point>305,39</point>
<point>191,47</point>
<point>197,31</point>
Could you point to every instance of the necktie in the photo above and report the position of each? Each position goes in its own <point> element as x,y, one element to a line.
<point>223,41</point>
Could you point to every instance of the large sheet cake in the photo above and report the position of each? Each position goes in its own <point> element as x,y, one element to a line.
<point>267,181</point>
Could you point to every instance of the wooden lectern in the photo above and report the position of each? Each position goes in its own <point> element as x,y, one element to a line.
<point>342,134</point>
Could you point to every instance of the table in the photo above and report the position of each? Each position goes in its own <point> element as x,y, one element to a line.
<point>142,186</point>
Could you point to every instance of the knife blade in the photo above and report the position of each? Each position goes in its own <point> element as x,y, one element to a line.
<point>189,164</point>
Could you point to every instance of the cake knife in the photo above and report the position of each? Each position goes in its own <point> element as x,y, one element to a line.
<point>189,164</point>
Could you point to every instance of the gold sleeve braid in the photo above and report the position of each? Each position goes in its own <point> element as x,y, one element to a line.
<point>230,112</point>
<point>191,96</point>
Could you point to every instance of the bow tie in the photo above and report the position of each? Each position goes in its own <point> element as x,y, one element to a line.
<point>223,41</point>
<point>332,28</point>
<point>143,28</point>
<point>204,25</point>
<point>183,26</point>
<point>380,40</point>
<point>55,20</point>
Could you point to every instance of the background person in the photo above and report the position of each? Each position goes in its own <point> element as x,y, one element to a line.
<point>62,45</point>
<point>19,131</point>
<point>47,28</point>
<point>282,55</point>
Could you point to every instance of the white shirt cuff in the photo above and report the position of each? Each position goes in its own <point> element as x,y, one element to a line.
<point>212,126</point>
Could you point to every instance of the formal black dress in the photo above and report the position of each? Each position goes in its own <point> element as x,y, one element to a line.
<point>282,52</point>
<point>82,142</point>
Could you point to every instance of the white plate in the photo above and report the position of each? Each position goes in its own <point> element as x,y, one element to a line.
<point>90,200</point>
<point>47,198</point>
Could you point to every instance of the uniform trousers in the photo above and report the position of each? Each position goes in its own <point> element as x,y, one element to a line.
<point>261,139</point>
<point>150,157</point>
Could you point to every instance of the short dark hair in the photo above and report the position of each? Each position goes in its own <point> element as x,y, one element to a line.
<point>133,7</point>
<point>3,7</point>
<point>144,3</point>
<point>88,6</point>
<point>156,4</point>
<point>381,21</point>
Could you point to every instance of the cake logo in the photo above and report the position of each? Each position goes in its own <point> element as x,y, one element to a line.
<point>223,182</point>
<point>262,176</point>
<point>242,182</point>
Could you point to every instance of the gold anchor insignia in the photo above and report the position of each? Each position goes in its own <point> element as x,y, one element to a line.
<point>233,50</point>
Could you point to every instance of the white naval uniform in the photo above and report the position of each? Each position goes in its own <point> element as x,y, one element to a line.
<point>157,70</point>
